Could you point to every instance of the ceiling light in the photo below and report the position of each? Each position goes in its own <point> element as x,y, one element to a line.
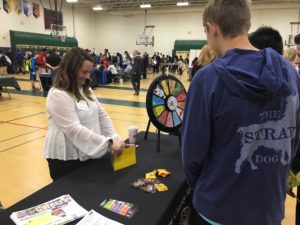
<point>97,8</point>
<point>182,3</point>
<point>72,1</point>
<point>145,6</point>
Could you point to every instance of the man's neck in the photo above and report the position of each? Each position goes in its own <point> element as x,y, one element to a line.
<point>240,42</point>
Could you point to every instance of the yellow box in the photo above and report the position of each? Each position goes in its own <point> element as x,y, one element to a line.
<point>128,158</point>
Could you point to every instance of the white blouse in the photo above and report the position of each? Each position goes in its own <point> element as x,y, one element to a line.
<point>76,130</point>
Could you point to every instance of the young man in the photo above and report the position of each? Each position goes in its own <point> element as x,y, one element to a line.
<point>241,124</point>
<point>267,37</point>
<point>32,71</point>
<point>136,72</point>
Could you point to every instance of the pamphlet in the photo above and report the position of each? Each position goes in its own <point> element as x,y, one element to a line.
<point>58,211</point>
<point>94,218</point>
<point>127,158</point>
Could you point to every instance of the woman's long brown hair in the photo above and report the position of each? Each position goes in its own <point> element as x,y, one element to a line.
<point>66,74</point>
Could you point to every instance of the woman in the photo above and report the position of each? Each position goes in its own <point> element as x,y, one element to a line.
<point>206,56</point>
<point>79,128</point>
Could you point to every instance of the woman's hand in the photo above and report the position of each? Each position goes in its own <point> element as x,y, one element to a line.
<point>117,147</point>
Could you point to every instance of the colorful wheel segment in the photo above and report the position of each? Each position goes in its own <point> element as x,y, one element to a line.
<point>165,103</point>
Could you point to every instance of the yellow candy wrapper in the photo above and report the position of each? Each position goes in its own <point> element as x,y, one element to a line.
<point>151,175</point>
<point>161,187</point>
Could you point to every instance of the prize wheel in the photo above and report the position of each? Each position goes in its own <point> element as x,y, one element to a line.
<point>165,103</point>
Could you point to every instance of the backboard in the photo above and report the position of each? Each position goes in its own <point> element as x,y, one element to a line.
<point>59,31</point>
<point>144,39</point>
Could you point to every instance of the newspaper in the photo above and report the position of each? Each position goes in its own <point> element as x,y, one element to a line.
<point>58,211</point>
<point>94,218</point>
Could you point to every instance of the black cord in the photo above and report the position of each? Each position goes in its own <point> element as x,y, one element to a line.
<point>61,4</point>
<point>50,5</point>
<point>42,4</point>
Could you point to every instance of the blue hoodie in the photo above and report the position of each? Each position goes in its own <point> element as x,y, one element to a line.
<point>240,132</point>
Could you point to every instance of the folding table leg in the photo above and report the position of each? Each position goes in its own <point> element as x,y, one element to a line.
<point>147,130</point>
<point>9,96</point>
<point>158,141</point>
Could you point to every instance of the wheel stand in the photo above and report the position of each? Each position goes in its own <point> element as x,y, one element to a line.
<point>176,132</point>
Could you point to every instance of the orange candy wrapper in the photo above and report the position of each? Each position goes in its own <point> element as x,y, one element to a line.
<point>163,173</point>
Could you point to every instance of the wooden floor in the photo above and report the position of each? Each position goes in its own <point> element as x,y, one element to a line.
<point>23,126</point>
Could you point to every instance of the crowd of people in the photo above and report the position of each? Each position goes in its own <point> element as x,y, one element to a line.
<point>118,67</point>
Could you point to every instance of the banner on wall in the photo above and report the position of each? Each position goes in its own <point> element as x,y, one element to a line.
<point>36,10</point>
<point>52,17</point>
<point>26,8</point>
<point>7,5</point>
<point>18,7</point>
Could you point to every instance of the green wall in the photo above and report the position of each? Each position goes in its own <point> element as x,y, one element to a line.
<point>39,40</point>
<point>187,45</point>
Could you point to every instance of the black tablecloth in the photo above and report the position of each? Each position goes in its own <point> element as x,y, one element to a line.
<point>6,81</point>
<point>90,185</point>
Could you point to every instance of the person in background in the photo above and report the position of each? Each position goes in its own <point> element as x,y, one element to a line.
<point>127,71</point>
<point>296,162</point>
<point>206,56</point>
<point>104,62</point>
<point>265,37</point>
<point>290,54</point>
<point>240,128</point>
<point>136,72</point>
<point>41,61</point>
<point>174,68</point>
<point>268,37</point>
<point>119,59</point>
<point>19,58</point>
<point>180,65</point>
<point>79,129</point>
<point>32,67</point>
<point>153,63</point>
<point>10,68</point>
<point>4,63</point>
<point>297,43</point>
<point>158,62</point>
<point>194,62</point>
<point>113,73</point>
<point>42,66</point>
<point>145,65</point>
<point>107,55</point>
<point>187,60</point>
<point>52,61</point>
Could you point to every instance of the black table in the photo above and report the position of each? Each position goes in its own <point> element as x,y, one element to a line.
<point>8,81</point>
<point>90,185</point>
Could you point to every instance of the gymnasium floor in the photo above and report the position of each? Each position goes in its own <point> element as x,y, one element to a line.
<point>23,126</point>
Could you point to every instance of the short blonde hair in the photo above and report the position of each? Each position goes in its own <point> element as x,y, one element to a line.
<point>206,56</point>
<point>290,54</point>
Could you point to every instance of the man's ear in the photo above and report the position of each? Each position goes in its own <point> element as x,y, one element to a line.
<point>212,29</point>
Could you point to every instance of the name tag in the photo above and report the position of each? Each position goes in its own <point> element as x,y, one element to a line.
<point>82,105</point>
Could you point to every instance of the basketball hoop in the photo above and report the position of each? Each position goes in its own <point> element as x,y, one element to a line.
<point>59,31</point>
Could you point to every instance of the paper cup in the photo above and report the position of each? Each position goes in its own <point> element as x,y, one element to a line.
<point>132,132</point>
